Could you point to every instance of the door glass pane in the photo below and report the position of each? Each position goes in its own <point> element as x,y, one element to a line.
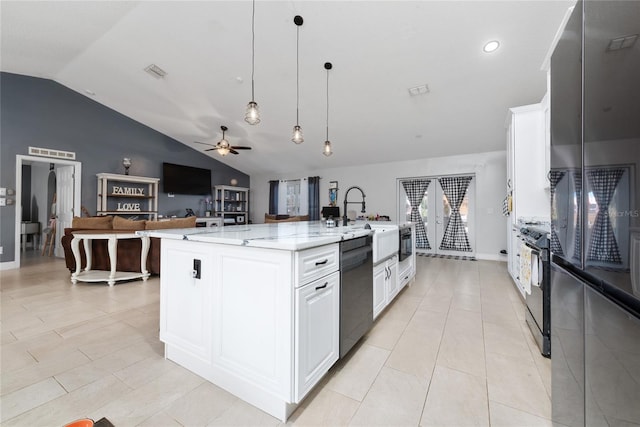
<point>464,211</point>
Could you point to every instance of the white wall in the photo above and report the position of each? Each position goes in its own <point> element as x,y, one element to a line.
<point>379,182</point>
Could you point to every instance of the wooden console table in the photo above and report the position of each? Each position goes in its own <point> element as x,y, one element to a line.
<point>113,275</point>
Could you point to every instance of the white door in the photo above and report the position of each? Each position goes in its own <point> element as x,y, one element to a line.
<point>445,210</point>
<point>64,203</point>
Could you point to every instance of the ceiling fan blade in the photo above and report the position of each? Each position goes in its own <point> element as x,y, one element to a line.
<point>211,149</point>
<point>239,147</point>
<point>204,143</point>
<point>231,150</point>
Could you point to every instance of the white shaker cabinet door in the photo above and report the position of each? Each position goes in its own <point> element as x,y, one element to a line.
<point>392,282</point>
<point>186,297</point>
<point>380,274</point>
<point>317,331</point>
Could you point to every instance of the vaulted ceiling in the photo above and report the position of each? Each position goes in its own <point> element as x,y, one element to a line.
<point>379,49</point>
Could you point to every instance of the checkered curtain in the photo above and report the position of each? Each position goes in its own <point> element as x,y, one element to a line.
<point>577,181</point>
<point>603,245</point>
<point>554,178</point>
<point>455,236</point>
<point>415,189</point>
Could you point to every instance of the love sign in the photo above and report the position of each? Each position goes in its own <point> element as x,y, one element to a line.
<point>128,207</point>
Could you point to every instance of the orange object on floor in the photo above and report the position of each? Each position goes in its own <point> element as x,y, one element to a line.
<point>85,422</point>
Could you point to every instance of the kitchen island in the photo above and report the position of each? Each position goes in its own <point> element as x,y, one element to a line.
<point>254,309</point>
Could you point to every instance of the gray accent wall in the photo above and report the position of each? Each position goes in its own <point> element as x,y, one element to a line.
<point>42,113</point>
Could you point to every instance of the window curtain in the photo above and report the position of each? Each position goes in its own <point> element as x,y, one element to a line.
<point>555,176</point>
<point>416,189</point>
<point>282,198</point>
<point>455,236</point>
<point>273,197</point>
<point>577,183</point>
<point>314,198</point>
<point>603,245</point>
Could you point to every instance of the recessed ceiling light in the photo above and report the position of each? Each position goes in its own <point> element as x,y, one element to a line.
<point>491,46</point>
<point>418,90</point>
<point>155,71</point>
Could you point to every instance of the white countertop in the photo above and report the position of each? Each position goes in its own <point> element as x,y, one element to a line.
<point>291,236</point>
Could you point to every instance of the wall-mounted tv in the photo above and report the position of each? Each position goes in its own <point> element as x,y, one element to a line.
<point>181,179</point>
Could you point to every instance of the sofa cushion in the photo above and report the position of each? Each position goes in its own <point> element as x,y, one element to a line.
<point>188,222</point>
<point>93,223</point>
<point>120,223</point>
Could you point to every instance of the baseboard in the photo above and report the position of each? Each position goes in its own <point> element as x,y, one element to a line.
<point>8,265</point>
<point>492,257</point>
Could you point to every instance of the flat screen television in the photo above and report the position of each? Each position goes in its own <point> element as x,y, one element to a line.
<point>181,179</point>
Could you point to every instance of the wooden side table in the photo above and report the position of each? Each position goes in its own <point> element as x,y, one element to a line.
<point>113,275</point>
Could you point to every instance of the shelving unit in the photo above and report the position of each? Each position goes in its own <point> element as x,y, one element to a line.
<point>127,195</point>
<point>231,204</point>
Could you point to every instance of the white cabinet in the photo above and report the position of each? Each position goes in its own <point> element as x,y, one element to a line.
<point>231,204</point>
<point>186,299</point>
<point>527,167</point>
<point>317,330</point>
<point>385,284</point>
<point>127,195</point>
<point>406,270</point>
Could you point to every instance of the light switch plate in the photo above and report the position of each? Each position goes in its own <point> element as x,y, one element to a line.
<point>3,191</point>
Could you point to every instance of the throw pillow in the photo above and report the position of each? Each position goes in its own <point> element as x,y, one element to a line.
<point>93,223</point>
<point>120,223</point>
<point>189,222</point>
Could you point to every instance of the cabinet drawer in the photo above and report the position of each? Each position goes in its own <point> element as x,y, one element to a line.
<point>314,263</point>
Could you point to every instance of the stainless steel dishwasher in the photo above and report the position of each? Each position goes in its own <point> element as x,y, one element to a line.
<point>356,291</point>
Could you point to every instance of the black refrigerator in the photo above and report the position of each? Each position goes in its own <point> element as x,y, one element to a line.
<point>595,216</point>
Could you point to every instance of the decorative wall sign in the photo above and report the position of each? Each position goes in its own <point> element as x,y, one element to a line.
<point>122,207</point>
<point>127,191</point>
<point>333,193</point>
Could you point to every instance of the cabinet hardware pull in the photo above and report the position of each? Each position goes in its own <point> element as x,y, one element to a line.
<point>322,287</point>
<point>322,262</point>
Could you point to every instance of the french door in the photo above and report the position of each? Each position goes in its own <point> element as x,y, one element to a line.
<point>443,209</point>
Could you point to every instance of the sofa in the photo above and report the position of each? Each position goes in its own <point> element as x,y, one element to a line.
<point>269,218</point>
<point>129,250</point>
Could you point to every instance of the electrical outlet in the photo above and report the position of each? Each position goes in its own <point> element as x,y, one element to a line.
<point>1,250</point>
<point>3,201</point>
<point>3,191</point>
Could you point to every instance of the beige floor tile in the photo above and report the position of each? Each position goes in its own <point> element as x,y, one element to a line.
<point>20,401</point>
<point>386,333</point>
<point>161,419</point>
<point>201,405</point>
<point>136,406</point>
<point>144,371</point>
<point>416,352</point>
<point>502,315</point>
<point>463,301</point>
<point>402,308</point>
<point>462,351</point>
<point>464,322</point>
<point>428,321</point>
<point>455,399</point>
<point>436,301</point>
<point>353,377</point>
<point>325,408</point>
<point>72,406</point>
<point>507,341</point>
<point>241,413</point>
<point>505,416</point>
<point>395,399</point>
<point>516,383</point>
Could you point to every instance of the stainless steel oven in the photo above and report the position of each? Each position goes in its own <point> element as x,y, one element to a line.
<point>538,302</point>
<point>405,249</point>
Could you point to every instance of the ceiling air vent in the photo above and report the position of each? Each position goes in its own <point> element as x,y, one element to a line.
<point>418,90</point>
<point>48,152</point>
<point>156,71</point>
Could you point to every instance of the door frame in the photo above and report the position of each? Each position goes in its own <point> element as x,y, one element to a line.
<point>20,161</point>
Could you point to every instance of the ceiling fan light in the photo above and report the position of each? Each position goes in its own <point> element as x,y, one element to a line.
<point>253,114</point>
<point>298,137</point>
<point>327,149</point>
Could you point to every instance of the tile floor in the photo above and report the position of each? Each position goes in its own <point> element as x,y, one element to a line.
<point>452,350</point>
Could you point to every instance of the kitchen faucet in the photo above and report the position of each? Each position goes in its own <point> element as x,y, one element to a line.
<point>345,220</point>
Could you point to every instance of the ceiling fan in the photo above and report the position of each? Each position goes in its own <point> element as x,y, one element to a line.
<point>223,147</point>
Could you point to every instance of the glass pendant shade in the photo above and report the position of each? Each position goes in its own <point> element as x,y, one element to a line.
<point>327,149</point>
<point>253,114</point>
<point>298,137</point>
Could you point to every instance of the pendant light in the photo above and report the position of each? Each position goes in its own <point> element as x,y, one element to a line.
<point>327,144</point>
<point>253,114</point>
<point>298,138</point>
